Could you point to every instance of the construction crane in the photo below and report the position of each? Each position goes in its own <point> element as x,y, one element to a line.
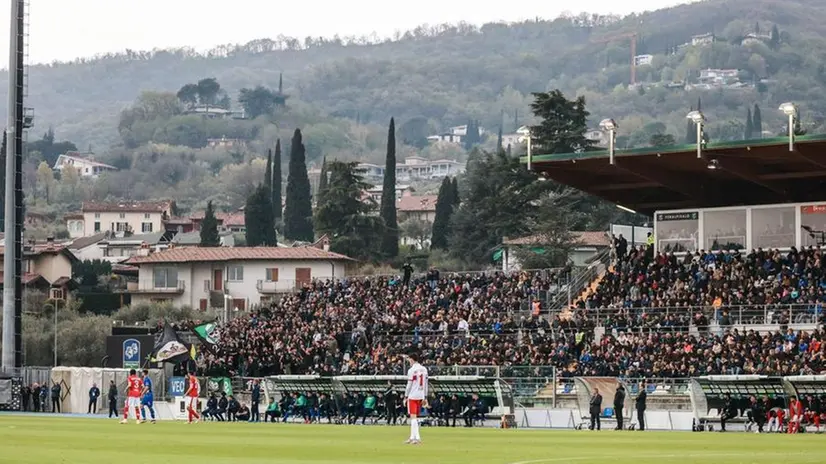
<point>614,38</point>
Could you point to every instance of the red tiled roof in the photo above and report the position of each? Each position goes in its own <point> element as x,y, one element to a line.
<point>38,249</point>
<point>159,206</point>
<point>197,254</point>
<point>417,203</point>
<point>178,221</point>
<point>73,216</point>
<point>227,219</point>
<point>593,239</point>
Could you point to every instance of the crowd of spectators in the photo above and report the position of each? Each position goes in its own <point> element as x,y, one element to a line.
<point>651,315</point>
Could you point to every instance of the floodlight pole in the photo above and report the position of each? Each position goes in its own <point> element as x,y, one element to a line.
<point>611,141</point>
<point>12,358</point>
<point>791,132</point>
<point>530,166</point>
<point>699,140</point>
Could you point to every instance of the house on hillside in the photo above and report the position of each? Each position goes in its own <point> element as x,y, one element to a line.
<point>702,39</point>
<point>85,165</point>
<point>643,60</point>
<point>119,249</point>
<point>224,142</point>
<point>214,112</point>
<point>46,267</point>
<point>422,208</point>
<point>588,245</point>
<point>120,218</point>
<point>516,138</point>
<point>235,278</point>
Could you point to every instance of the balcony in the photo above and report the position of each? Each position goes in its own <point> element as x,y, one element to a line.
<point>148,287</point>
<point>280,286</point>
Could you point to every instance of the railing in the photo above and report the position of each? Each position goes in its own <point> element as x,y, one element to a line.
<point>209,286</point>
<point>448,275</point>
<point>148,286</point>
<point>280,286</point>
<point>724,316</point>
<point>581,279</point>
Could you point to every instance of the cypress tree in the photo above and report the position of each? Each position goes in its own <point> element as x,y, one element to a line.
<point>276,184</point>
<point>268,171</point>
<point>387,211</point>
<point>258,218</point>
<point>209,228</point>
<point>455,192</point>
<point>441,222</point>
<point>757,122</point>
<point>699,104</point>
<point>749,127</point>
<point>298,210</point>
<point>499,148</point>
<point>322,182</point>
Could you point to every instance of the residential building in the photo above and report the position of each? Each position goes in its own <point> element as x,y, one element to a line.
<point>46,266</point>
<point>643,60</point>
<point>752,39</point>
<point>371,171</point>
<point>376,192</point>
<point>214,112</point>
<point>422,207</point>
<point>85,164</point>
<point>88,248</point>
<point>598,136</point>
<point>710,78</point>
<point>702,39</point>
<point>119,249</point>
<point>516,138</point>
<point>235,278</point>
<point>120,218</point>
<point>224,142</point>
<point>231,222</point>
<point>588,245</point>
<point>193,239</point>
<point>446,137</point>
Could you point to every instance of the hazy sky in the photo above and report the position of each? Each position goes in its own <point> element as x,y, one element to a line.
<point>66,29</point>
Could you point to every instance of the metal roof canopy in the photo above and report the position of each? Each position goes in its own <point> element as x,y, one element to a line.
<point>748,172</point>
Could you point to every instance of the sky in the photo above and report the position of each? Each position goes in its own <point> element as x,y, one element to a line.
<point>67,29</point>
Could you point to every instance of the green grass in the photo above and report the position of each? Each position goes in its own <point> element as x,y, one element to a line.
<point>27,439</point>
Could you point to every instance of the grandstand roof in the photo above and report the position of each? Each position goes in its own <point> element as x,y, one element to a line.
<point>659,178</point>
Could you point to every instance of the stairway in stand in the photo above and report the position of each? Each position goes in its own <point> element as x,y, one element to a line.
<point>592,287</point>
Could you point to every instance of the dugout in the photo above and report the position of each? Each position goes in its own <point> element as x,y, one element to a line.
<point>708,395</point>
<point>10,387</point>
<point>803,386</point>
<point>496,392</point>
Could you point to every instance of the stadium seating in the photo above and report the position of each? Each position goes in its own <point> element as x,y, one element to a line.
<point>662,316</point>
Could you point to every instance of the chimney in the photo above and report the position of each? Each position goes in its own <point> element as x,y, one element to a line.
<point>50,242</point>
<point>325,244</point>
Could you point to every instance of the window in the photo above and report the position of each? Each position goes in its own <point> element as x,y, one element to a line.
<point>146,227</point>
<point>774,227</point>
<point>166,277</point>
<point>235,273</point>
<point>97,226</point>
<point>121,226</point>
<point>272,275</point>
<point>146,215</point>
<point>677,232</point>
<point>812,217</point>
<point>97,215</point>
<point>122,215</point>
<point>725,230</point>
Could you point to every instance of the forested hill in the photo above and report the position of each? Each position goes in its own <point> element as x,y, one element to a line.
<point>450,74</point>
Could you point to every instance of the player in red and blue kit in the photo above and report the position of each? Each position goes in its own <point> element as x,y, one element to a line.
<point>147,400</point>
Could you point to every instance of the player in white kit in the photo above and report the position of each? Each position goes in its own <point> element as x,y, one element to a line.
<point>415,396</point>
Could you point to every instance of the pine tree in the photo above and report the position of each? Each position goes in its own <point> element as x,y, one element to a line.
<point>441,222</point>
<point>757,122</point>
<point>276,185</point>
<point>390,237</point>
<point>209,228</point>
<point>298,209</point>
<point>749,134</point>
<point>322,181</point>
<point>258,218</point>
<point>268,171</point>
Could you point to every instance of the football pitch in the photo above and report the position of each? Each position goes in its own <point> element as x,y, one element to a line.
<point>33,439</point>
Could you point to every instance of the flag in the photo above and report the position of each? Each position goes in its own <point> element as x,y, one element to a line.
<point>207,333</point>
<point>170,348</point>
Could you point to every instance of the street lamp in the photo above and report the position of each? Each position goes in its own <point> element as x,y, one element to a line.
<point>610,126</point>
<point>699,120</point>
<point>790,110</point>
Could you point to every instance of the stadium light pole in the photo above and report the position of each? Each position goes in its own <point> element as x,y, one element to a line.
<point>699,120</point>
<point>790,110</point>
<point>530,165</point>
<point>610,126</point>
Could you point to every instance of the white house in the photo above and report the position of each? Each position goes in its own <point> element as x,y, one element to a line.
<point>643,60</point>
<point>86,167</point>
<point>236,277</point>
<point>139,217</point>
<point>588,245</point>
<point>702,39</point>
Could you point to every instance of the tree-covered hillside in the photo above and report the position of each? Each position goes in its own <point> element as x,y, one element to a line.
<point>448,74</point>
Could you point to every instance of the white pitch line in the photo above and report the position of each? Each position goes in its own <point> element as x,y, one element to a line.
<point>652,456</point>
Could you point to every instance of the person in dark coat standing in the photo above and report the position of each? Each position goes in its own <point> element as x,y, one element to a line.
<point>94,394</point>
<point>56,397</point>
<point>255,401</point>
<point>390,400</point>
<point>619,403</point>
<point>595,408</point>
<point>640,403</point>
<point>112,396</point>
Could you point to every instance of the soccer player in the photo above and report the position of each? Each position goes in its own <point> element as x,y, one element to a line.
<point>192,403</point>
<point>147,399</point>
<point>795,415</point>
<point>134,388</point>
<point>415,396</point>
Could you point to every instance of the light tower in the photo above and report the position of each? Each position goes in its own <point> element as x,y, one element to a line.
<point>19,119</point>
